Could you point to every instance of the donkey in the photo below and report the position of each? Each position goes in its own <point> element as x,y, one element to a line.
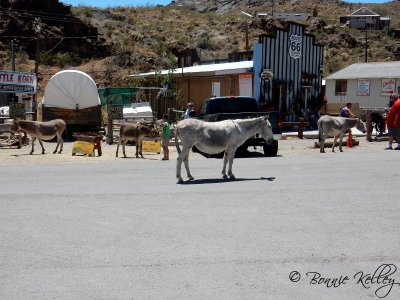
<point>336,126</point>
<point>41,131</point>
<point>135,132</point>
<point>378,122</point>
<point>224,136</point>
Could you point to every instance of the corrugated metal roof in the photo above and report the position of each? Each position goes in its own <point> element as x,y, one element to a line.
<point>211,69</point>
<point>390,69</point>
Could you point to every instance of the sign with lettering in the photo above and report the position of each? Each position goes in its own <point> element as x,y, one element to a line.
<point>15,82</point>
<point>267,74</point>
<point>116,112</point>
<point>295,46</point>
<point>388,87</point>
<point>81,147</point>
<point>363,87</point>
<point>17,110</point>
<point>151,146</point>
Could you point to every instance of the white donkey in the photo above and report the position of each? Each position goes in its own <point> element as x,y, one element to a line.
<point>336,126</point>
<point>41,131</point>
<point>216,137</point>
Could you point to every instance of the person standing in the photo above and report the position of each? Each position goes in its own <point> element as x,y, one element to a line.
<point>393,122</point>
<point>166,135</point>
<point>189,110</point>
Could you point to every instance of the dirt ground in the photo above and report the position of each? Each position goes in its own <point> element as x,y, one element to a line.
<point>288,146</point>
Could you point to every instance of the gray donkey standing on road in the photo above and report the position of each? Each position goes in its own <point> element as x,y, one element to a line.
<point>336,126</point>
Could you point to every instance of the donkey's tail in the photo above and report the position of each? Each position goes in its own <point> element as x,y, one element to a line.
<point>178,149</point>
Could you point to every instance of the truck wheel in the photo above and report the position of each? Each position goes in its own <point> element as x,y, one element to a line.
<point>271,150</point>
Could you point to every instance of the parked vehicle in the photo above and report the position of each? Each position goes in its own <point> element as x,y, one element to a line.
<point>239,107</point>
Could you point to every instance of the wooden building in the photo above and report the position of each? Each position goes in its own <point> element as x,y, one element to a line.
<point>288,71</point>
<point>285,75</point>
<point>197,83</point>
<point>364,18</point>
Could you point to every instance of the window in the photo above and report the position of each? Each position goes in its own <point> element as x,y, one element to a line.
<point>340,87</point>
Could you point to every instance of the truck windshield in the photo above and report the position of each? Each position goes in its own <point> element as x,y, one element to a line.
<point>232,105</point>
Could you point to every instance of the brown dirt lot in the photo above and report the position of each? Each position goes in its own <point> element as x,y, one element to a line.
<point>287,147</point>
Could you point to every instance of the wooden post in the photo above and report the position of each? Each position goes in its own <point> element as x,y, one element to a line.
<point>301,128</point>
<point>110,138</point>
<point>369,126</point>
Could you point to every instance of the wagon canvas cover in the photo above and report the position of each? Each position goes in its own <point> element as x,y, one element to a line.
<point>71,89</point>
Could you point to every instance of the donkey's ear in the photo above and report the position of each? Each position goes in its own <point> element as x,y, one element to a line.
<point>266,117</point>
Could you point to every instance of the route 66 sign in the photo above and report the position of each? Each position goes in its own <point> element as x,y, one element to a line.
<point>295,46</point>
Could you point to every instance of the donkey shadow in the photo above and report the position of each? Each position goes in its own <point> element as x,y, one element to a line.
<point>223,180</point>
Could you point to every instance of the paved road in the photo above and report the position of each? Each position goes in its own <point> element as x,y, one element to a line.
<point>124,229</point>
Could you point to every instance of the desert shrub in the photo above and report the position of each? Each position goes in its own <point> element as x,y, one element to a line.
<point>205,43</point>
<point>61,59</point>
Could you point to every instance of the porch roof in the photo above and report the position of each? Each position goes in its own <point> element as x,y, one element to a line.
<point>210,69</point>
<point>377,70</point>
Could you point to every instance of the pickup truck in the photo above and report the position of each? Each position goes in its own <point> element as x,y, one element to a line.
<point>239,107</point>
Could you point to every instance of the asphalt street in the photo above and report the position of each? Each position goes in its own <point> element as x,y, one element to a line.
<point>290,227</point>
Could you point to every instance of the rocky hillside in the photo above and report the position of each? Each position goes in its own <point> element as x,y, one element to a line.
<point>110,43</point>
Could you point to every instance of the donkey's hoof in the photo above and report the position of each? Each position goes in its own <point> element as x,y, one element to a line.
<point>180,180</point>
<point>224,176</point>
<point>191,178</point>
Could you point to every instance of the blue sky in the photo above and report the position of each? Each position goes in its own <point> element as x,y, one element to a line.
<point>112,3</point>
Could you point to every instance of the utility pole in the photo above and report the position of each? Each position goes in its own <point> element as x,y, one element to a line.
<point>247,41</point>
<point>247,35</point>
<point>37,28</point>
<point>12,55</point>
<point>273,7</point>
<point>366,41</point>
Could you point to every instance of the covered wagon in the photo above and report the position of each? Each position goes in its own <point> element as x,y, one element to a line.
<point>72,95</point>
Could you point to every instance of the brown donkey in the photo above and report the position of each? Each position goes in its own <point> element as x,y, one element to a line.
<point>41,131</point>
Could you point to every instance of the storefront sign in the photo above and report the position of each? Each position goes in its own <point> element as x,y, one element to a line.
<point>388,87</point>
<point>363,87</point>
<point>14,82</point>
<point>295,46</point>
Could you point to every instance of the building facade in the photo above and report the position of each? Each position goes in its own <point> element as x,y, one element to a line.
<point>368,84</point>
<point>288,71</point>
<point>365,18</point>
<point>197,83</point>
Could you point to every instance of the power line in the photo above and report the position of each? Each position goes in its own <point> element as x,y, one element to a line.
<point>31,11</point>
<point>45,16</point>
<point>49,37</point>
